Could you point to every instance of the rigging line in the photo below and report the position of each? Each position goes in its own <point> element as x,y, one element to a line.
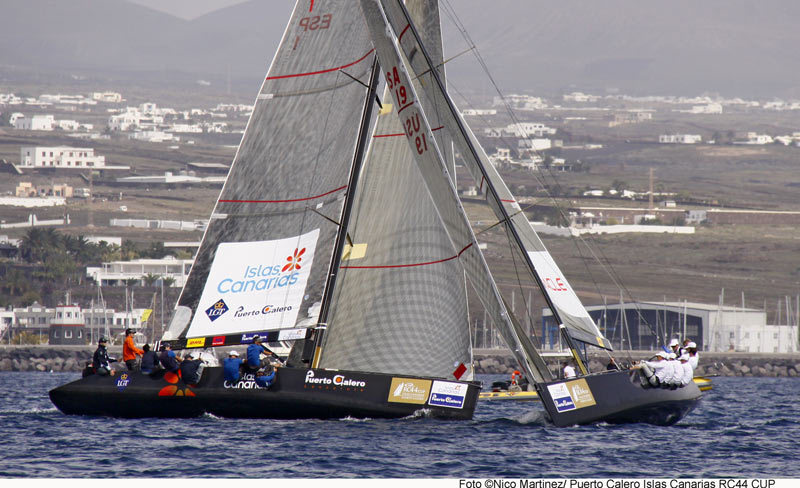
<point>521,210</point>
<point>377,98</point>
<point>311,73</point>
<point>442,64</point>
<point>287,201</point>
<point>520,286</point>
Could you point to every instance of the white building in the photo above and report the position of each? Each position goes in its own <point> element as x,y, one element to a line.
<point>679,139</point>
<point>107,97</point>
<point>534,144</point>
<point>756,139</point>
<point>37,122</point>
<point>115,273</point>
<point>60,157</point>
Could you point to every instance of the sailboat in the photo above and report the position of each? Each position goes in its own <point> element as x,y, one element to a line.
<point>339,229</point>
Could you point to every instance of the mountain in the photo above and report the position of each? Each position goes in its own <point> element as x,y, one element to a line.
<point>685,47</point>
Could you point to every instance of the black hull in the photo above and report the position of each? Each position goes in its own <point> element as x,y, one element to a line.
<point>615,398</point>
<point>296,394</point>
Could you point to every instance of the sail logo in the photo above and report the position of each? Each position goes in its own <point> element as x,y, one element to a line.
<point>241,312</point>
<point>447,394</point>
<point>172,388</point>
<point>336,382</point>
<point>409,390</point>
<point>217,310</point>
<point>294,260</point>
<point>123,381</point>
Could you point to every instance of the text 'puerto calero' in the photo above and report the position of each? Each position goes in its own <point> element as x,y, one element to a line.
<point>335,380</point>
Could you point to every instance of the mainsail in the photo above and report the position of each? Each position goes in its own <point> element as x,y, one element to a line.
<point>400,303</point>
<point>265,256</point>
<point>560,296</point>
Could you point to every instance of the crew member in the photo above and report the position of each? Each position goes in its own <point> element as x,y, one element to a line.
<point>130,351</point>
<point>149,360</point>
<point>656,371</point>
<point>192,368</point>
<point>169,360</point>
<point>254,350</point>
<point>694,358</point>
<point>231,366</point>
<point>101,362</point>
<point>686,367</point>
<point>568,370</point>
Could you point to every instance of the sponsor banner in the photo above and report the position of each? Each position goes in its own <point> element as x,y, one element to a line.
<point>580,393</point>
<point>561,397</point>
<point>196,342</point>
<point>246,382</point>
<point>409,390</point>
<point>556,284</point>
<point>571,395</point>
<point>123,381</point>
<point>292,334</point>
<point>256,285</point>
<point>447,394</point>
<point>218,341</point>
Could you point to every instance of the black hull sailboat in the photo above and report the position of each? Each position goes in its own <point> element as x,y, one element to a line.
<point>616,398</point>
<point>296,394</point>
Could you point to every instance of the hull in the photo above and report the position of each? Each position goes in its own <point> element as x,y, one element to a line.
<point>615,398</point>
<point>296,394</point>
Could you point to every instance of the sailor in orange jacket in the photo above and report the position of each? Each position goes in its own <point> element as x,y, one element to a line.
<point>130,351</point>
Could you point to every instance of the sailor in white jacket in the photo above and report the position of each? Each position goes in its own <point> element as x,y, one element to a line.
<point>694,358</point>
<point>688,371</point>
<point>656,372</point>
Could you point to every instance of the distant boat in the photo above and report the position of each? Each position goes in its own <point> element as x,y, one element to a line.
<point>343,232</point>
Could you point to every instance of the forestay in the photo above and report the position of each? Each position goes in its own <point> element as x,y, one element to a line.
<point>266,253</point>
<point>560,295</point>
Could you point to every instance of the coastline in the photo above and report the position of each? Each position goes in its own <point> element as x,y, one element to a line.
<point>487,361</point>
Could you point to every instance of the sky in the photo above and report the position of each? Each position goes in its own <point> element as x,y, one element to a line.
<point>188,9</point>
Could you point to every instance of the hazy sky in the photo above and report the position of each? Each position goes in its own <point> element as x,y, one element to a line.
<point>187,9</point>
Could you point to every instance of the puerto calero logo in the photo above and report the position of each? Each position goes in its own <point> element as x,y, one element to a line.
<point>123,381</point>
<point>263,283</point>
<point>447,394</point>
<point>561,397</point>
<point>409,390</point>
<point>335,382</point>
<point>217,310</point>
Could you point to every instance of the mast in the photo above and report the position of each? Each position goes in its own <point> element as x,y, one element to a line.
<point>486,178</point>
<point>341,237</point>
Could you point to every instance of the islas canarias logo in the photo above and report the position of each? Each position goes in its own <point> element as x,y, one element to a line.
<point>294,260</point>
<point>215,311</point>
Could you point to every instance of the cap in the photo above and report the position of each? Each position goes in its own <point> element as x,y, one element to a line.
<point>102,340</point>
<point>256,338</point>
<point>662,354</point>
<point>684,357</point>
<point>672,355</point>
<point>233,353</point>
<point>190,355</point>
<point>692,345</point>
<point>673,342</point>
<point>128,331</point>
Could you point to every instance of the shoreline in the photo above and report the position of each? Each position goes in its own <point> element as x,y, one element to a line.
<point>73,359</point>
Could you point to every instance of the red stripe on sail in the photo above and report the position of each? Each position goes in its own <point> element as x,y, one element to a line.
<point>409,265</point>
<point>401,133</point>
<point>321,71</point>
<point>286,201</point>
<point>403,33</point>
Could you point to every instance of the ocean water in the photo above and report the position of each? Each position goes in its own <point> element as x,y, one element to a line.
<point>747,427</point>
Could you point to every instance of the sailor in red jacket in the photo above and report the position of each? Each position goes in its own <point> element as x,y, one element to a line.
<point>130,351</point>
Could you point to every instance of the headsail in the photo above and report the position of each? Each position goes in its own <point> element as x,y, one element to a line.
<point>265,256</point>
<point>400,304</point>
<point>440,186</point>
<point>559,294</point>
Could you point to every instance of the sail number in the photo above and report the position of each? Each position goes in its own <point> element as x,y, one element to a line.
<point>555,284</point>
<point>315,22</point>
<point>412,126</point>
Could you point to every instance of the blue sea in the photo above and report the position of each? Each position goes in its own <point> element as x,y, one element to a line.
<point>744,427</point>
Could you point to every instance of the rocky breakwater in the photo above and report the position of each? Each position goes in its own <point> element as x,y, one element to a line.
<point>711,364</point>
<point>48,358</point>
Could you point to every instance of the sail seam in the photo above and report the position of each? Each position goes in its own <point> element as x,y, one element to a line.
<point>279,77</point>
<point>400,38</point>
<point>411,264</point>
<point>286,201</point>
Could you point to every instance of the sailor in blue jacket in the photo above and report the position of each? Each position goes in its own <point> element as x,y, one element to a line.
<point>265,376</point>
<point>231,366</point>
<point>100,361</point>
<point>254,350</point>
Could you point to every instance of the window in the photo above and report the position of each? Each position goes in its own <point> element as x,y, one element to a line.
<point>80,333</point>
<point>67,334</point>
<point>55,334</point>
<point>732,335</point>
<point>746,335</point>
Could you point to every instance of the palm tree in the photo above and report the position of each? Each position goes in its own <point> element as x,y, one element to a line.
<point>151,279</point>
